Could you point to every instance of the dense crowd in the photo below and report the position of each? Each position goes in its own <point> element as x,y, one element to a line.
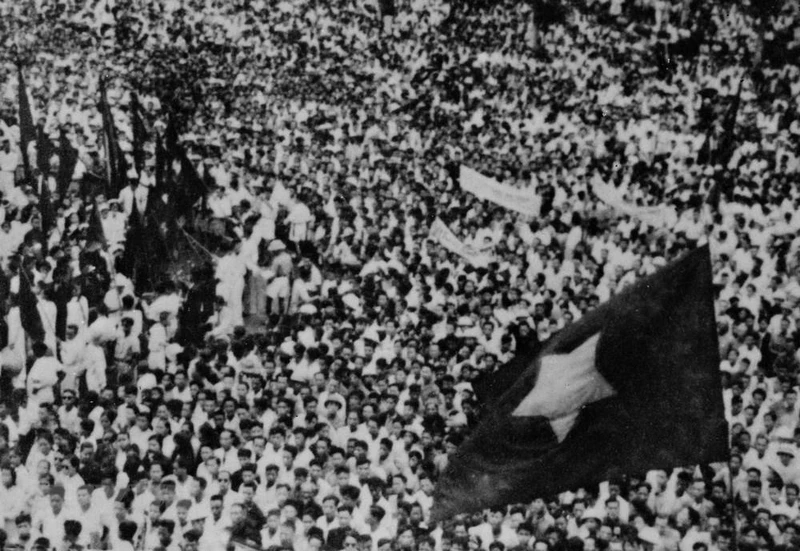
<point>300,385</point>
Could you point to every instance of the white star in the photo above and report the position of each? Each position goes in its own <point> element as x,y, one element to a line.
<point>566,383</point>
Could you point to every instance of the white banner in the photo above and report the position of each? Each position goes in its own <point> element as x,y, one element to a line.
<point>657,216</point>
<point>524,201</point>
<point>440,233</point>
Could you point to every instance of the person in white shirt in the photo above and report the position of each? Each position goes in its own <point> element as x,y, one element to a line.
<point>9,161</point>
<point>44,375</point>
<point>127,531</point>
<point>494,530</point>
<point>216,527</point>
<point>94,359</point>
<point>51,521</point>
<point>72,357</point>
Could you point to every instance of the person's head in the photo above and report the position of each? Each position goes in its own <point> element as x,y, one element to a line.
<point>350,542</point>
<point>127,529</point>
<point>237,513</point>
<point>344,515</point>
<point>24,525</point>
<point>525,532</point>
<point>216,505</point>
<point>496,516</point>
<point>57,499</point>
<point>84,497</point>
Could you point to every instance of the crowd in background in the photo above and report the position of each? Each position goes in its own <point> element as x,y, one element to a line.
<point>300,383</point>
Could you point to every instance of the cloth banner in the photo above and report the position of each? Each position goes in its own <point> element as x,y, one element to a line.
<point>524,201</point>
<point>440,233</point>
<point>659,216</point>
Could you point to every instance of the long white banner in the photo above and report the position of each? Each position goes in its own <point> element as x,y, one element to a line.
<point>655,216</point>
<point>524,201</point>
<point>440,233</point>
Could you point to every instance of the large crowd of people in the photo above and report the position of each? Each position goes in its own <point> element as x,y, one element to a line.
<point>300,383</point>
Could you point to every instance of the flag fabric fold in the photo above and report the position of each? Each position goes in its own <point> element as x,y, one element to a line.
<point>67,161</point>
<point>44,150</point>
<point>28,310</point>
<point>116,165</point>
<point>46,208</point>
<point>187,188</point>
<point>95,232</point>
<point>632,386</point>
<point>140,136</point>
<point>27,129</point>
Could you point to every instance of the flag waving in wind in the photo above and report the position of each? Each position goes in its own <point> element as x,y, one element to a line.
<point>116,164</point>
<point>632,386</point>
<point>27,130</point>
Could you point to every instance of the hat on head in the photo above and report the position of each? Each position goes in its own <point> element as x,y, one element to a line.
<point>649,534</point>
<point>276,245</point>
<point>308,309</point>
<point>591,513</point>
<point>783,510</point>
<point>787,449</point>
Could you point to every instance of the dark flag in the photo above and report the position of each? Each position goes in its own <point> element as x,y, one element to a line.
<point>188,188</point>
<point>67,160</point>
<point>46,208</point>
<point>162,169</point>
<point>632,386</point>
<point>727,141</point>
<point>95,232</point>
<point>388,8</point>
<point>27,130</point>
<point>139,133</point>
<point>28,311</point>
<point>44,150</point>
<point>135,249</point>
<point>116,171</point>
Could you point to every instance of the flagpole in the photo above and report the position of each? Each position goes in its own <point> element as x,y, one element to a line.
<point>735,538</point>
<point>195,243</point>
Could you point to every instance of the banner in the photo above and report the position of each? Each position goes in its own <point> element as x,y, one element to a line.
<point>524,201</point>
<point>660,216</point>
<point>440,233</point>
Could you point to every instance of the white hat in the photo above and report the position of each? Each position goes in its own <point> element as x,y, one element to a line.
<point>592,513</point>
<point>649,534</point>
<point>351,301</point>
<point>308,309</point>
<point>784,510</point>
<point>276,245</point>
<point>787,449</point>
<point>372,334</point>
<point>457,419</point>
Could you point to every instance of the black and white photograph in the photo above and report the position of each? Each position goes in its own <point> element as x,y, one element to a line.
<point>399,275</point>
